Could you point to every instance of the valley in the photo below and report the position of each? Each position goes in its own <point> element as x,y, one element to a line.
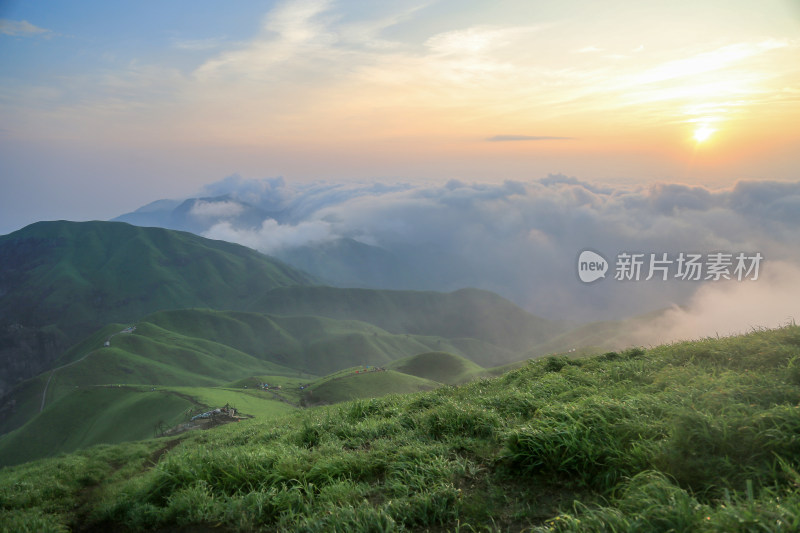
<point>381,409</point>
<point>206,322</point>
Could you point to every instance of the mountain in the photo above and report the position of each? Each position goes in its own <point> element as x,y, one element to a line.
<point>59,281</point>
<point>196,215</point>
<point>342,262</point>
<point>349,263</point>
<point>463,314</point>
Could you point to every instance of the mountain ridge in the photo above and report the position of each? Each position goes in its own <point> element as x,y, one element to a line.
<point>60,280</point>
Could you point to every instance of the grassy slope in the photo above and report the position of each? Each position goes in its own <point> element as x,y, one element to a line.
<point>689,437</point>
<point>252,382</point>
<point>350,385</point>
<point>59,281</point>
<point>149,356</point>
<point>69,272</point>
<point>313,344</point>
<point>25,403</point>
<point>163,351</point>
<point>248,402</point>
<point>467,313</point>
<point>438,366</point>
<point>173,348</point>
<point>91,415</point>
<point>103,415</point>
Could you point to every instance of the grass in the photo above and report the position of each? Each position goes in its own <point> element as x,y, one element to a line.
<point>255,403</point>
<point>208,348</point>
<point>438,366</point>
<point>364,384</point>
<point>110,414</point>
<point>698,436</point>
<point>203,347</point>
<point>174,352</point>
<point>312,344</point>
<point>90,416</point>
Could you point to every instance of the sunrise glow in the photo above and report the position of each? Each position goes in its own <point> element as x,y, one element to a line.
<point>316,89</point>
<point>703,133</point>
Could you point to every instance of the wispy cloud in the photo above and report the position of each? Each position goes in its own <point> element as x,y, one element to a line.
<point>21,28</point>
<point>706,62</point>
<point>501,138</point>
<point>368,33</point>
<point>287,30</point>
<point>477,39</point>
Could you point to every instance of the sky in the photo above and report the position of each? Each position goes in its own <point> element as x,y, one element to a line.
<point>105,106</point>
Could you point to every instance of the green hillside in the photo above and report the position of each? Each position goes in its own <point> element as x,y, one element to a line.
<point>359,382</point>
<point>312,344</point>
<point>695,436</point>
<point>438,366</point>
<point>466,313</point>
<point>204,350</point>
<point>150,355</point>
<point>59,281</point>
<point>91,415</point>
<point>255,403</point>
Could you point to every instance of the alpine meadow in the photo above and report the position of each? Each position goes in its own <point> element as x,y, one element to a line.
<point>442,266</point>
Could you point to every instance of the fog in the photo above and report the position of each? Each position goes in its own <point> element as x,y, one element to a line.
<point>522,239</point>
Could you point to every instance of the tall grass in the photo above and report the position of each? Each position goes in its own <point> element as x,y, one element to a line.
<point>698,436</point>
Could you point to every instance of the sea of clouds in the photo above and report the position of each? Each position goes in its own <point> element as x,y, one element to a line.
<point>522,240</point>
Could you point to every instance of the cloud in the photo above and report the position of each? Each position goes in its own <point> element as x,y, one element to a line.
<point>670,198</point>
<point>296,202</point>
<point>272,237</point>
<point>500,138</point>
<point>476,39</point>
<point>705,62</point>
<point>288,31</point>
<point>367,33</point>
<point>21,28</point>
<point>730,308</point>
<point>225,209</point>
<point>319,76</point>
<point>521,239</point>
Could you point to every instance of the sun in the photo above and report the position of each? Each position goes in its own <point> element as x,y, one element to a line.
<point>703,133</point>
